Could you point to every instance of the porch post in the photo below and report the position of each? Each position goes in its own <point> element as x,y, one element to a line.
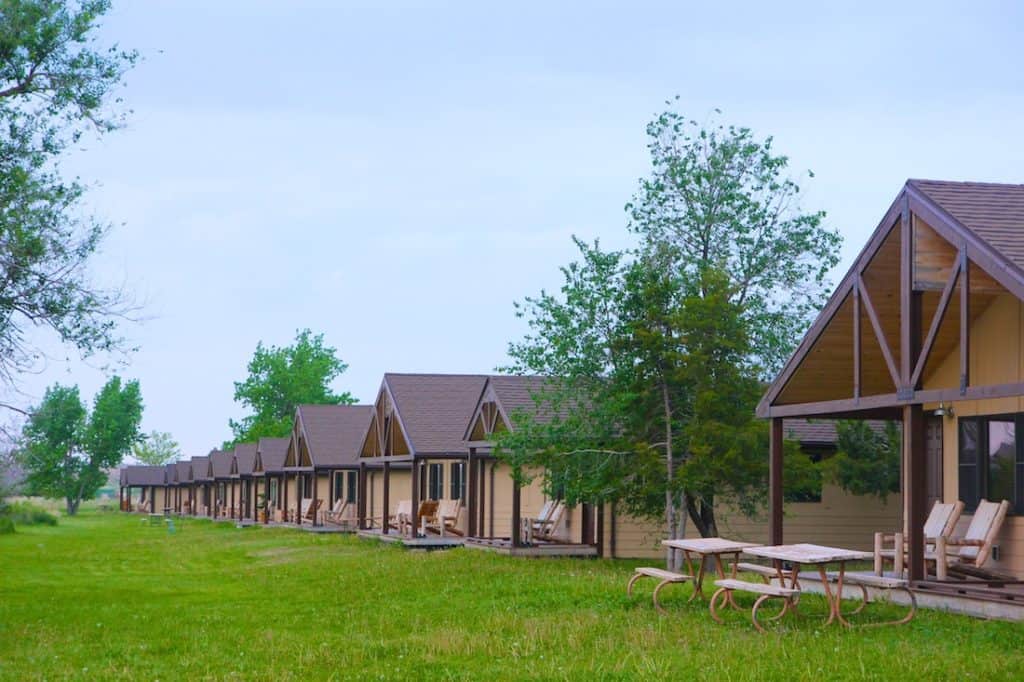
<point>775,483</point>
<point>471,494</point>
<point>316,493</point>
<point>517,522</point>
<point>599,531</point>
<point>232,499</point>
<point>120,498</point>
<point>284,489</point>
<point>916,487</point>
<point>387,496</point>
<point>481,497</point>
<point>414,519</point>
<point>298,499</point>
<point>361,497</point>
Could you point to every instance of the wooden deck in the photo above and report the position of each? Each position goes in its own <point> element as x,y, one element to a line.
<point>538,549</point>
<point>999,603</point>
<point>429,542</point>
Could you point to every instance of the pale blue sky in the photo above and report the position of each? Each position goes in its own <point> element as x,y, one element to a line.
<point>397,176</point>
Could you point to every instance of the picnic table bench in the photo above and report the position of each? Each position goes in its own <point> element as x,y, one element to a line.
<point>662,576</point>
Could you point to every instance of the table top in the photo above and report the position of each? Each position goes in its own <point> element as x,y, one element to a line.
<point>709,545</point>
<point>805,553</point>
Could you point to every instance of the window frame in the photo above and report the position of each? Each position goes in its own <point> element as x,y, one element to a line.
<point>435,480</point>
<point>973,482</point>
<point>351,486</point>
<point>457,481</point>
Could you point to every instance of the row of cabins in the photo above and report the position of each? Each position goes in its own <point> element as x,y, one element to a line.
<point>427,442</point>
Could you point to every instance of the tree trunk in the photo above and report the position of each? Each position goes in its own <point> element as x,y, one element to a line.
<point>702,513</point>
<point>672,560</point>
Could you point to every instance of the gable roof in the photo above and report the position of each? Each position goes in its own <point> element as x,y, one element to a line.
<point>980,224</point>
<point>333,433</point>
<point>184,471</point>
<point>221,461</point>
<point>434,408</point>
<point>244,456</point>
<point>271,452</point>
<point>143,474</point>
<point>201,468</point>
<point>170,474</point>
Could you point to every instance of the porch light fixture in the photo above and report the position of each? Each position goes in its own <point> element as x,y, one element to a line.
<point>943,411</point>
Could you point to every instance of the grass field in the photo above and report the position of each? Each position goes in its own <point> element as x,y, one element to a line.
<point>103,596</point>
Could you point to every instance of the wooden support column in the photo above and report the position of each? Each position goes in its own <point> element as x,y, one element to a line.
<point>414,518</point>
<point>233,499</point>
<point>482,498</point>
<point>599,531</point>
<point>906,300</point>
<point>775,483</point>
<point>915,487</point>
<point>361,497</point>
<point>284,493</point>
<point>120,498</point>
<point>856,341</point>
<point>152,499</point>
<point>387,497</point>
<point>517,523</point>
<point>965,320</point>
<point>316,492</point>
<point>471,494</point>
<point>298,499</point>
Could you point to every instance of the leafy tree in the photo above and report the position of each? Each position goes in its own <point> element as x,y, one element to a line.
<point>56,84</point>
<point>660,351</point>
<point>867,461</point>
<point>66,451</point>
<point>280,379</point>
<point>157,447</point>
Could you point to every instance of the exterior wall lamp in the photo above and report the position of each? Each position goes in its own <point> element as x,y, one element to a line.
<point>943,410</point>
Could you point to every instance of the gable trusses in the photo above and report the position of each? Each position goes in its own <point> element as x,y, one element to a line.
<point>386,435</point>
<point>488,418</point>
<point>908,300</point>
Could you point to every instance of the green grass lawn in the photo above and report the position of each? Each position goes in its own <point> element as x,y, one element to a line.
<point>103,596</point>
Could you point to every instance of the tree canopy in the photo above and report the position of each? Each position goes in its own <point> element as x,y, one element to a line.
<point>280,379</point>
<point>56,84</point>
<point>659,352</point>
<point>156,447</point>
<point>66,451</point>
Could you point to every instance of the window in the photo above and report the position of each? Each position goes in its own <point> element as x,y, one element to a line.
<point>435,476</point>
<point>351,486</point>
<point>458,481</point>
<point>272,497</point>
<point>307,487</point>
<point>339,485</point>
<point>991,460</point>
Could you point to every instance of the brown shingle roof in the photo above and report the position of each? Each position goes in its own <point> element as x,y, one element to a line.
<point>819,431</point>
<point>221,460</point>
<point>200,467</point>
<point>141,474</point>
<point>435,408</point>
<point>184,468</point>
<point>245,456</point>
<point>334,433</point>
<point>272,453</point>
<point>993,211</point>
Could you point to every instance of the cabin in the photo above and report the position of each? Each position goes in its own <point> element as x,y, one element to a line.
<point>926,328</point>
<point>183,491</point>
<point>201,484</point>
<point>415,437</point>
<point>242,460</point>
<point>149,481</point>
<point>223,490</point>
<point>324,452</point>
<point>497,517</point>
<point>269,464</point>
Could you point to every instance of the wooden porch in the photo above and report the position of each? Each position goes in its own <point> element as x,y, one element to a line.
<point>537,549</point>
<point>428,542</point>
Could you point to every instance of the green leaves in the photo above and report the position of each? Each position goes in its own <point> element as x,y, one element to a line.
<point>66,452</point>
<point>156,448</point>
<point>280,379</point>
<point>867,461</point>
<point>55,84</point>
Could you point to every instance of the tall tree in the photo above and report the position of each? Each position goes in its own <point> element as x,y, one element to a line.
<point>56,84</point>
<point>665,345</point>
<point>66,451</point>
<point>156,447</point>
<point>280,379</point>
<point>867,460</point>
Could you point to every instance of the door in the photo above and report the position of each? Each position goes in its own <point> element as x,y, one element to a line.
<point>933,455</point>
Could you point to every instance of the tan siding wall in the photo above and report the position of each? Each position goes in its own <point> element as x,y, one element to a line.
<point>401,489</point>
<point>840,519</point>
<point>996,357</point>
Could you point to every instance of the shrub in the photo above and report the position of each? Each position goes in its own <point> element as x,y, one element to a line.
<point>28,514</point>
<point>6,526</point>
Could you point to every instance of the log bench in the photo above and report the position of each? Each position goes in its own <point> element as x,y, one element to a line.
<point>765,591</point>
<point>662,576</point>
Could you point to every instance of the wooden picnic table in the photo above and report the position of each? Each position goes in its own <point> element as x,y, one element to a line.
<point>820,556</point>
<point>708,547</point>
